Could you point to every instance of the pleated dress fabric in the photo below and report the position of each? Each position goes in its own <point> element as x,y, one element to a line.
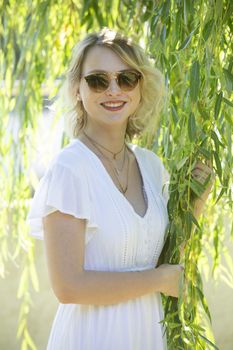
<point>116,239</point>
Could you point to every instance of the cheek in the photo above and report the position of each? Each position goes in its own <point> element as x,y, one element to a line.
<point>87,98</point>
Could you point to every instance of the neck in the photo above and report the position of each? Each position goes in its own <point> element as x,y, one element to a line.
<point>112,139</point>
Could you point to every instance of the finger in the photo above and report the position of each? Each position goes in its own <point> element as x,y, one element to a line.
<point>200,172</point>
<point>207,163</point>
<point>203,167</point>
<point>209,166</point>
<point>205,170</point>
<point>200,176</point>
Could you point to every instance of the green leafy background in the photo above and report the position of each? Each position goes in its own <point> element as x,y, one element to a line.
<point>191,42</point>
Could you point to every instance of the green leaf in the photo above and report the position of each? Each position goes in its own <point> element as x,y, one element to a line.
<point>197,187</point>
<point>29,340</point>
<point>24,345</point>
<point>194,81</point>
<point>174,114</point>
<point>21,327</point>
<point>187,40</point>
<point>205,114</point>
<point>229,103</point>
<point>188,221</point>
<point>23,283</point>
<point>180,164</point>
<point>208,341</point>
<point>174,325</point>
<point>218,164</point>
<point>34,277</point>
<point>163,34</point>
<point>217,105</point>
<point>218,8</point>
<point>198,327</point>
<point>229,80</point>
<point>217,143</point>
<point>86,5</point>
<point>148,11</point>
<point>224,188</point>
<point>192,127</point>
<point>229,118</point>
<point>98,13</point>
<point>207,29</point>
<point>205,152</point>
<point>194,220</point>
<point>165,10</point>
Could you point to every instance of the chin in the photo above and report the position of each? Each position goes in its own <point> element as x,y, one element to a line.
<point>117,118</point>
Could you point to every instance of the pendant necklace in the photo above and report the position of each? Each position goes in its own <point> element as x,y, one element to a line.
<point>114,168</point>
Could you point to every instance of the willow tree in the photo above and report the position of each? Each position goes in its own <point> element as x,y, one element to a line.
<point>191,42</point>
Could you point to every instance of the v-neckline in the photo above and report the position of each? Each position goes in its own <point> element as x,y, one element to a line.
<point>108,177</point>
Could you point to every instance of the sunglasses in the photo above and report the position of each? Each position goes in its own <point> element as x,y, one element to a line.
<point>126,80</point>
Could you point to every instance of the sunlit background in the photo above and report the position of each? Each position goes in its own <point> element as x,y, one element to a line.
<point>36,39</point>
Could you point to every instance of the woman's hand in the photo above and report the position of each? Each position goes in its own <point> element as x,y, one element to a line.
<point>171,276</point>
<point>200,173</point>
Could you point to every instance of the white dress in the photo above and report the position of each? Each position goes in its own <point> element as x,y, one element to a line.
<point>116,239</point>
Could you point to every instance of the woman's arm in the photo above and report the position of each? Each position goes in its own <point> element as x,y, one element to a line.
<point>65,245</point>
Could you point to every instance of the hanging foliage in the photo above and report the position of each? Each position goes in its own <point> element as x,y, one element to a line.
<point>191,42</point>
<point>192,52</point>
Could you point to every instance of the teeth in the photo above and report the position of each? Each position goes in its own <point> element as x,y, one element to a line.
<point>113,104</point>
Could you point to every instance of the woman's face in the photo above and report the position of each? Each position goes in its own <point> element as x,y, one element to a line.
<point>113,105</point>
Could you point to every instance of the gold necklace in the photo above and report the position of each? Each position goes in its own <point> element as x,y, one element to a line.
<point>115,170</point>
<point>114,154</point>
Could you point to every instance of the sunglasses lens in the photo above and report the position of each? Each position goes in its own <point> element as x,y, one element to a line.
<point>97,82</point>
<point>128,80</point>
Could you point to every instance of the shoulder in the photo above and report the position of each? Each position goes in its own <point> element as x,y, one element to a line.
<point>152,163</point>
<point>155,169</point>
<point>71,157</point>
<point>147,156</point>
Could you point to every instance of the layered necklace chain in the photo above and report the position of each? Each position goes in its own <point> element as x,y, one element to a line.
<point>114,168</point>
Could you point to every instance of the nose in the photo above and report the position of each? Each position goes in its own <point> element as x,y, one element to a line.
<point>113,88</point>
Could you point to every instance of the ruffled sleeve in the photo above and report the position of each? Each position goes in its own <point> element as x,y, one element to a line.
<point>61,189</point>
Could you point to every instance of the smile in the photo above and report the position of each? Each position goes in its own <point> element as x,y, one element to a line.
<point>113,106</point>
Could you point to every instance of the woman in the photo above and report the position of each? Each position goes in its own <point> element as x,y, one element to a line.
<point>100,206</point>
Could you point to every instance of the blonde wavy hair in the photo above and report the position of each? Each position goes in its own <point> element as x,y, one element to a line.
<point>145,118</point>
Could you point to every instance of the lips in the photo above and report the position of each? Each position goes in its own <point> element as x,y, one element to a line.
<point>113,105</point>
